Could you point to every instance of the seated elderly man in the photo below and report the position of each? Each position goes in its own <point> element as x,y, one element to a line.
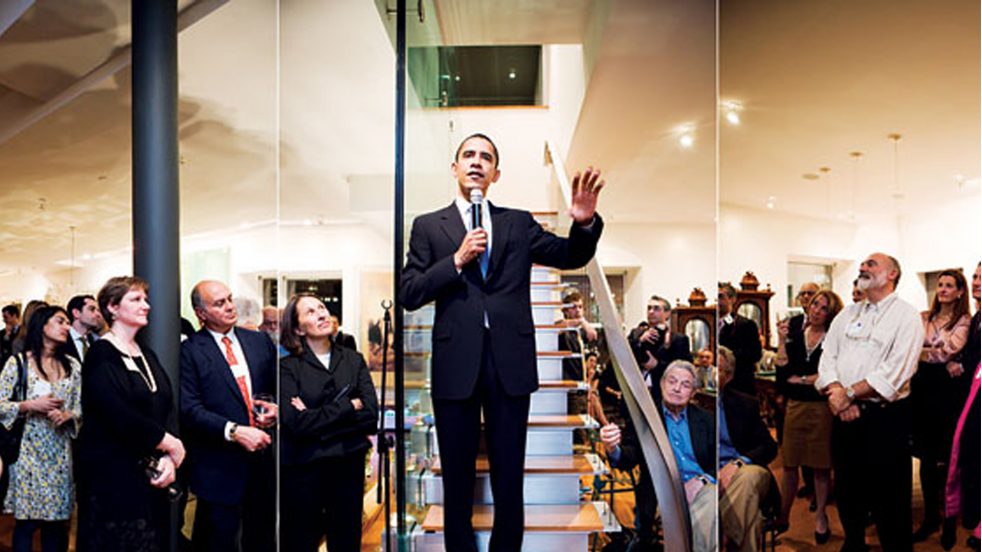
<point>692,432</point>
<point>745,449</point>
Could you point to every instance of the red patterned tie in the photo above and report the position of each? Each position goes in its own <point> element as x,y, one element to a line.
<point>240,380</point>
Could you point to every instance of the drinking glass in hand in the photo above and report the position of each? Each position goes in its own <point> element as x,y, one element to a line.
<point>264,409</point>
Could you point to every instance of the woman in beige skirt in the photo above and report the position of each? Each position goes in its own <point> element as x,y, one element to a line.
<point>808,422</point>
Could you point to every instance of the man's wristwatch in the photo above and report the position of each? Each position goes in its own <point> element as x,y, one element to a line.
<point>850,393</point>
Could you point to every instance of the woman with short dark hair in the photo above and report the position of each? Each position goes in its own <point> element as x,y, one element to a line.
<point>127,451</point>
<point>328,409</point>
<point>41,491</point>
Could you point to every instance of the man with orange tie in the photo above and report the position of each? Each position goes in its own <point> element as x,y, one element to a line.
<point>232,472</point>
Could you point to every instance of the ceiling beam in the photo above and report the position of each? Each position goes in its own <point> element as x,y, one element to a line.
<point>121,59</point>
<point>10,12</point>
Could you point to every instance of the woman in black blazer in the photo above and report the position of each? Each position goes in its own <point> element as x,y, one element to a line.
<point>127,453</point>
<point>328,409</point>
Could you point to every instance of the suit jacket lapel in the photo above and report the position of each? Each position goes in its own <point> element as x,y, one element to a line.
<point>210,349</point>
<point>500,228</point>
<point>452,225</point>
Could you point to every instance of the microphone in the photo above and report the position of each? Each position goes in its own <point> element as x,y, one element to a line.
<point>477,199</point>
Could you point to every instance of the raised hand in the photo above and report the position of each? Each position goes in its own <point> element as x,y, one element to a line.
<point>586,190</point>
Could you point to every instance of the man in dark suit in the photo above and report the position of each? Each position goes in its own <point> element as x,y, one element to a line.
<point>343,339</point>
<point>740,335</point>
<point>11,325</point>
<point>655,345</point>
<point>483,337</point>
<point>86,322</point>
<point>692,433</point>
<point>746,485</point>
<point>223,368</point>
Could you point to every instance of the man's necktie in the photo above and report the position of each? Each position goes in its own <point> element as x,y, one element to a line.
<point>85,347</point>
<point>239,380</point>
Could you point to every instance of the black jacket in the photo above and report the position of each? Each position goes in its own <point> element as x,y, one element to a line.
<point>702,433</point>
<point>747,431</point>
<point>678,349</point>
<point>743,338</point>
<point>462,299</point>
<point>330,426</point>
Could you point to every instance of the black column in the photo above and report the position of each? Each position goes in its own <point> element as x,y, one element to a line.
<point>156,255</point>
<point>399,223</point>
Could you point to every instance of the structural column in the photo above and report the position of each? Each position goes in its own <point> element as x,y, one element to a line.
<point>156,220</point>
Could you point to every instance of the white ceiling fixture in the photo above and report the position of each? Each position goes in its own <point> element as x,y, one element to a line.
<point>898,192</point>
<point>686,134</point>
<point>731,111</point>
<point>856,157</point>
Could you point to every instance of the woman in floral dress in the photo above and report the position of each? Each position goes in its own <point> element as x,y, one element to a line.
<point>41,491</point>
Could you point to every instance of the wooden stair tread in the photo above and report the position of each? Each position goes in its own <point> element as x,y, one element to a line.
<point>568,464</point>
<point>571,518</point>
<point>559,384</point>
<point>426,327</point>
<point>556,420</point>
<point>557,354</point>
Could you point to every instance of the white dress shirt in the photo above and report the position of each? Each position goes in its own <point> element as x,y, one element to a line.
<point>876,342</point>
<point>240,369</point>
<point>77,342</point>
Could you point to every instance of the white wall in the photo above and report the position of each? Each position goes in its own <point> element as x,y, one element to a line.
<point>764,241</point>
<point>664,259</point>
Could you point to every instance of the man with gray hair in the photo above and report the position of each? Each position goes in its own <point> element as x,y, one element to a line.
<point>692,433</point>
<point>869,355</point>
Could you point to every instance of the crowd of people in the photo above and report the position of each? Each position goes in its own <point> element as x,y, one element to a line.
<point>139,451</point>
<point>866,387</point>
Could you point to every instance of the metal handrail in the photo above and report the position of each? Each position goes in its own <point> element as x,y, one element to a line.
<point>645,417</point>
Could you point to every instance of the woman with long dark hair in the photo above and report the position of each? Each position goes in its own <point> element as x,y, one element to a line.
<point>41,491</point>
<point>328,409</point>
<point>127,451</point>
<point>936,392</point>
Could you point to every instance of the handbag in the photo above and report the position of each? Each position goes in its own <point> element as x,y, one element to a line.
<point>10,438</point>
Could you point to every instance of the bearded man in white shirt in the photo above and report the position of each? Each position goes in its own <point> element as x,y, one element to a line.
<point>869,355</point>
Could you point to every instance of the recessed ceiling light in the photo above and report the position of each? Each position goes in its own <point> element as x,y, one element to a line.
<point>771,202</point>
<point>686,134</point>
<point>512,74</point>
<point>810,176</point>
<point>456,78</point>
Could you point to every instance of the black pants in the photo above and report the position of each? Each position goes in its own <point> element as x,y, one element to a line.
<point>871,457</point>
<point>458,427</point>
<point>54,535</point>
<point>249,526</point>
<point>323,498</point>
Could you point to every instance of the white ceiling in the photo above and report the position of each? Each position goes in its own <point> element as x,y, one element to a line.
<point>817,83</point>
<point>824,78</point>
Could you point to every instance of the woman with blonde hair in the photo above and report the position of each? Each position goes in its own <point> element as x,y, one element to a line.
<point>807,438</point>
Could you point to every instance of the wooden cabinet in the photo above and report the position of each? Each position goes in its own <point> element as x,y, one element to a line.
<point>696,320</point>
<point>755,304</point>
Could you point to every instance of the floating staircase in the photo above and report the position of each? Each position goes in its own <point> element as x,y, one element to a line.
<point>556,518</point>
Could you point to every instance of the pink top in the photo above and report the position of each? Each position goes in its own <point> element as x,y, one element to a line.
<point>940,343</point>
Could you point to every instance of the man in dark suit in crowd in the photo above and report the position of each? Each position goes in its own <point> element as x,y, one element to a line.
<point>11,325</point>
<point>483,337</point>
<point>340,338</point>
<point>655,345</point>
<point>86,322</point>
<point>740,335</point>
<point>692,434</point>
<point>223,367</point>
<point>746,485</point>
